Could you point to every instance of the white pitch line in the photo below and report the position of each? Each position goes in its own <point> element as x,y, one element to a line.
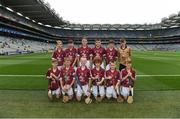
<point>141,75</point>
<point>4,75</point>
<point>159,75</point>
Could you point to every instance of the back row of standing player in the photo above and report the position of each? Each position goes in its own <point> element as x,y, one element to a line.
<point>96,65</point>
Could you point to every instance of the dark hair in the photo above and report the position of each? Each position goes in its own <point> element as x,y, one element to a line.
<point>98,39</point>
<point>84,38</point>
<point>111,41</point>
<point>70,41</point>
<point>122,40</point>
<point>54,61</point>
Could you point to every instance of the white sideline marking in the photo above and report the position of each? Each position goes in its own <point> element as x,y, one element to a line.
<point>158,75</point>
<point>21,75</point>
<point>6,75</point>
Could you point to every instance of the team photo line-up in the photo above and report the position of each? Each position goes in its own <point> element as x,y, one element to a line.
<point>86,73</point>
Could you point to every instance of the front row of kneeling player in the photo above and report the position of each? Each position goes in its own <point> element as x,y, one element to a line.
<point>86,82</point>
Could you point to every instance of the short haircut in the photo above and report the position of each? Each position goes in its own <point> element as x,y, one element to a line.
<point>111,42</point>
<point>122,40</point>
<point>98,39</point>
<point>54,61</point>
<point>84,38</point>
<point>70,41</point>
<point>67,59</point>
<point>128,61</point>
<point>97,60</point>
<point>58,41</point>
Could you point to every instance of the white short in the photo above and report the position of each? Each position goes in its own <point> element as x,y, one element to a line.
<point>110,92</point>
<point>125,91</point>
<point>101,90</point>
<point>87,64</point>
<point>84,90</point>
<point>69,92</point>
<point>55,92</point>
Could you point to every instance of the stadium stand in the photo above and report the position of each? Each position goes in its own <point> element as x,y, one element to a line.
<point>9,46</point>
<point>18,20</point>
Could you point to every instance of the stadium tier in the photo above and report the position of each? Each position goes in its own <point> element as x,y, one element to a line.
<point>9,46</point>
<point>23,23</point>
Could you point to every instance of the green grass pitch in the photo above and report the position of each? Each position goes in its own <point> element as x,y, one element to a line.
<point>157,89</point>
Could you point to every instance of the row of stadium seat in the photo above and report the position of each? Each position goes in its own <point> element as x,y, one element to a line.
<point>9,45</point>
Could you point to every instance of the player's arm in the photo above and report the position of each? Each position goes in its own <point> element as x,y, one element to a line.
<point>102,79</point>
<point>61,80</point>
<point>119,81</point>
<point>48,76</point>
<point>100,82</point>
<point>133,75</point>
<point>73,75</point>
<point>53,57</point>
<point>54,76</point>
<point>72,82</point>
<point>76,58</point>
<point>61,83</point>
<point>124,77</point>
<point>107,77</point>
<point>91,57</point>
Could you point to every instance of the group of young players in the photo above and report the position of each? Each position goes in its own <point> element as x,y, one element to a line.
<point>86,72</point>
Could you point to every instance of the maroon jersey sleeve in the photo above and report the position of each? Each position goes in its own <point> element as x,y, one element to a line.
<point>48,73</point>
<point>54,55</point>
<point>133,73</point>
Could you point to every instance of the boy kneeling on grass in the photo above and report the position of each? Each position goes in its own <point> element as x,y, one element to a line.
<point>128,76</point>
<point>67,78</point>
<point>54,85</point>
<point>97,78</point>
<point>83,81</point>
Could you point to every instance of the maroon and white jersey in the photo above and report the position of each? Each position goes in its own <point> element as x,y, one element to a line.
<point>115,74</point>
<point>111,55</point>
<point>59,55</point>
<point>83,75</point>
<point>67,75</point>
<point>53,84</point>
<point>126,82</point>
<point>84,52</point>
<point>100,52</point>
<point>71,53</point>
<point>99,73</point>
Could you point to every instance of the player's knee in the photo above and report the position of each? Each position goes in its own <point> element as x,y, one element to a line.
<point>57,96</point>
<point>70,97</point>
<point>78,98</point>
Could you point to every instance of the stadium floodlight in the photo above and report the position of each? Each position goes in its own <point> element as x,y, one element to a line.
<point>9,9</point>
<point>57,27</point>
<point>19,14</point>
<point>175,26</point>
<point>67,28</point>
<point>40,23</point>
<point>48,25</point>
<point>27,18</point>
<point>33,21</point>
<point>140,29</point>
